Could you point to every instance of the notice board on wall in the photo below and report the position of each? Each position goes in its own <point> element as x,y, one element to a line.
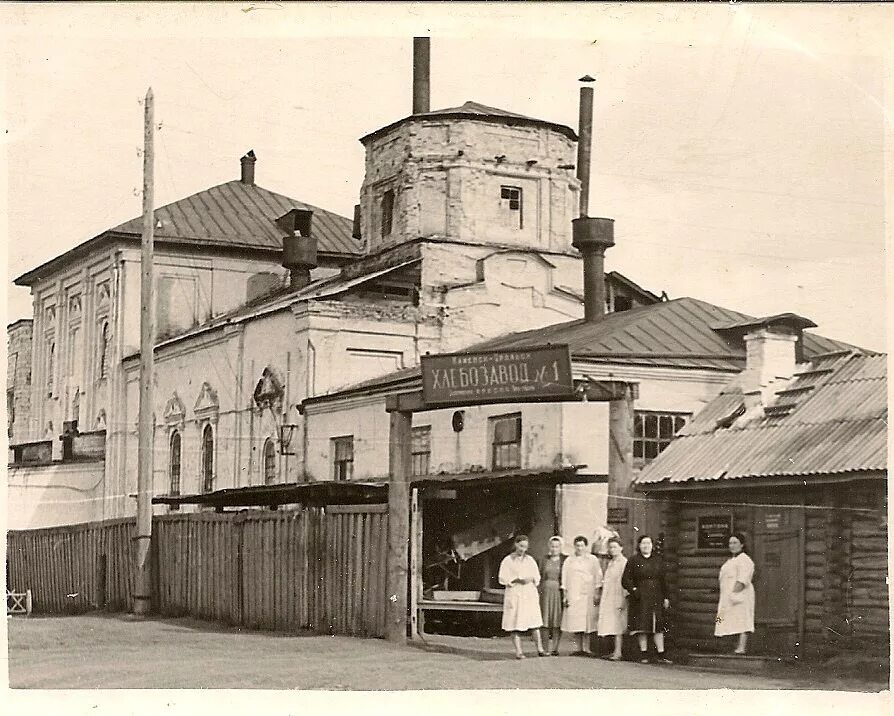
<point>714,531</point>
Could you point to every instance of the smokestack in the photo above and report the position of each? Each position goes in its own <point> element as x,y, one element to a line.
<point>248,168</point>
<point>299,247</point>
<point>584,142</point>
<point>590,236</point>
<point>421,78</point>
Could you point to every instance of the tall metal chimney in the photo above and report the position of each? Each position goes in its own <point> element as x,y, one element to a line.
<point>421,78</point>
<point>248,167</point>
<point>590,236</point>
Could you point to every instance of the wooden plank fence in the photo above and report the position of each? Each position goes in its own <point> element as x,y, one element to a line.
<point>321,569</point>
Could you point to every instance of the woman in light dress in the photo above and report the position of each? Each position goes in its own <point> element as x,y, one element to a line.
<point>735,610</point>
<point>521,604</point>
<point>613,608</point>
<point>551,594</point>
<point>581,586</point>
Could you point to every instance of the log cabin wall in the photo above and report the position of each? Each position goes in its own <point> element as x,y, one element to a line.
<point>835,557</point>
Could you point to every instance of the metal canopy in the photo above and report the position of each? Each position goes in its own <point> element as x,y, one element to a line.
<point>371,492</point>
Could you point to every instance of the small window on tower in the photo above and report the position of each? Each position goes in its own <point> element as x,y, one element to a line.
<point>387,212</point>
<point>511,205</point>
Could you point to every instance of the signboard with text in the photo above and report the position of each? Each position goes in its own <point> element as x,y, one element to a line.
<point>508,376</point>
<point>714,531</point>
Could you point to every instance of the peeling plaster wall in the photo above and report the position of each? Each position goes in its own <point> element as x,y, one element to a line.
<point>446,180</point>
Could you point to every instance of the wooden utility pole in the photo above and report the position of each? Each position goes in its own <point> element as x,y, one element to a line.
<point>620,465</point>
<point>146,429</point>
<point>400,465</point>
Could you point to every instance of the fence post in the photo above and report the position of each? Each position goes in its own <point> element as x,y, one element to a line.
<point>28,602</point>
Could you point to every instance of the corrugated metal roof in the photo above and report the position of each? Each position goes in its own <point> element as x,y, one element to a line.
<point>241,215</point>
<point>672,334</point>
<point>476,110</point>
<point>836,422</point>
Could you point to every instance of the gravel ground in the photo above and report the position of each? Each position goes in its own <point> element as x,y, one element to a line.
<point>116,652</point>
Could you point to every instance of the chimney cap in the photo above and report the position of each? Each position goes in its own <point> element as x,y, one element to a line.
<point>781,320</point>
<point>587,78</point>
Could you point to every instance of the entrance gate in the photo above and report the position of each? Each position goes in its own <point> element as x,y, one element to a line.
<point>523,375</point>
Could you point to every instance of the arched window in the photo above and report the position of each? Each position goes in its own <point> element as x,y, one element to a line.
<point>269,462</point>
<point>175,466</point>
<point>207,459</point>
<point>103,349</point>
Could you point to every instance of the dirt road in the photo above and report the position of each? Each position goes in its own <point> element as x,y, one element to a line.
<point>109,652</point>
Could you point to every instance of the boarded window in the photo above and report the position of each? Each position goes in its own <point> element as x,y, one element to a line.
<point>511,206</point>
<point>207,459</point>
<point>422,450</point>
<point>343,457</point>
<point>387,212</point>
<point>174,468</point>
<point>654,431</point>
<point>176,306</point>
<point>269,462</point>
<point>506,443</point>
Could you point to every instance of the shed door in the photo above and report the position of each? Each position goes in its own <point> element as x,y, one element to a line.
<point>778,578</point>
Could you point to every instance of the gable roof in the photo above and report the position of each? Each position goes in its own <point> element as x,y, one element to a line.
<point>670,334</point>
<point>482,112</point>
<point>233,215</point>
<point>831,418</point>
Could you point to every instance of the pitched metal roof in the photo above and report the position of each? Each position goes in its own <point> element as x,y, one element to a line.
<point>831,418</point>
<point>482,112</point>
<point>671,334</point>
<point>677,334</point>
<point>233,215</point>
<point>242,215</point>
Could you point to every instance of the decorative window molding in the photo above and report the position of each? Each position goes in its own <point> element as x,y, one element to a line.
<point>269,391</point>
<point>175,411</point>
<point>207,406</point>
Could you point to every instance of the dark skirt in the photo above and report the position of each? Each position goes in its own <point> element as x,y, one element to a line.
<point>646,609</point>
<point>551,604</point>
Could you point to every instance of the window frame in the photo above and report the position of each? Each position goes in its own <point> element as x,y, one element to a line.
<point>207,455</point>
<point>102,362</point>
<point>642,441</point>
<point>498,450</point>
<point>420,456</point>
<point>342,469</point>
<point>174,477</point>
<point>270,469</point>
<point>386,209</point>
<point>504,188</point>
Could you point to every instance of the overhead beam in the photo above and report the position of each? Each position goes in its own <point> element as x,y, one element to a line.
<point>590,389</point>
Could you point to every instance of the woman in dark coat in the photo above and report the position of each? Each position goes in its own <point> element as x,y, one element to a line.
<point>644,579</point>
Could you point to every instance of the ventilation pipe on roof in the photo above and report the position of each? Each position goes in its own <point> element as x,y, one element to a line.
<point>299,248</point>
<point>421,75</point>
<point>590,236</point>
<point>248,168</point>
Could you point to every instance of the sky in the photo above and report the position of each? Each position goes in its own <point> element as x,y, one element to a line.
<point>740,149</point>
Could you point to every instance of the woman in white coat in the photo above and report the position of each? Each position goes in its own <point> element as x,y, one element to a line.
<point>521,602</point>
<point>613,608</point>
<point>735,610</point>
<point>581,585</point>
